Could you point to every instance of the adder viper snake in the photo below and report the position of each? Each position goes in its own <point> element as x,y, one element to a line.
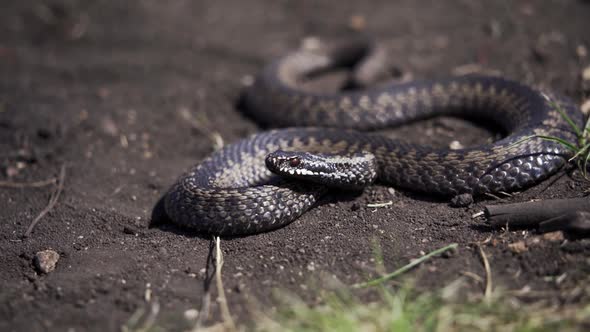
<point>232,192</point>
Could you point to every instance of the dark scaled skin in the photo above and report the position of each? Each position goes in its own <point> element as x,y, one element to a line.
<point>234,193</point>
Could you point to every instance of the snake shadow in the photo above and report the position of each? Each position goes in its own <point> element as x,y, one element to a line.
<point>161,220</point>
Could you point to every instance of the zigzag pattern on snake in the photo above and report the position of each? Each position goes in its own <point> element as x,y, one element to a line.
<point>233,193</point>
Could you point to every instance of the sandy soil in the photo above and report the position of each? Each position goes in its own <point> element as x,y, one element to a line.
<point>104,86</point>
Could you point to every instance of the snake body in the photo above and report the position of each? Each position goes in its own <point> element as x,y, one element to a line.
<point>232,192</point>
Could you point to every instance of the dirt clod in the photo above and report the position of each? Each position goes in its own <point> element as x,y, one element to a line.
<point>462,200</point>
<point>45,261</point>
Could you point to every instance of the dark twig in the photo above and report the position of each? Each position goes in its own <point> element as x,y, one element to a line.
<point>52,201</point>
<point>530,214</point>
<point>573,223</point>
<point>206,299</point>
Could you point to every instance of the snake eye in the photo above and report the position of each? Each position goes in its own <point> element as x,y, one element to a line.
<point>294,162</point>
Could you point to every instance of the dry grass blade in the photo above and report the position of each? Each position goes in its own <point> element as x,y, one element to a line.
<point>202,126</point>
<point>486,265</point>
<point>52,201</point>
<point>377,205</point>
<point>225,314</point>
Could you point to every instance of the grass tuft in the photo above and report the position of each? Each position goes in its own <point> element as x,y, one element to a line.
<point>580,148</point>
<point>406,310</point>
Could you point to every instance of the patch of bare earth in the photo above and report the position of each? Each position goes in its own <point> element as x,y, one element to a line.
<point>104,88</point>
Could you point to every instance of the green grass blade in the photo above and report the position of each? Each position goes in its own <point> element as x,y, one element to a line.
<point>567,119</point>
<point>586,132</point>
<point>581,151</point>
<point>404,268</point>
<point>587,126</point>
<point>522,140</point>
<point>560,141</point>
<point>585,168</point>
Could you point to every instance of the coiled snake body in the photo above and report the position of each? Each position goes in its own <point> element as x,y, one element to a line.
<point>233,192</point>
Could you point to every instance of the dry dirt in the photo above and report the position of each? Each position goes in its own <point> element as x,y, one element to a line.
<point>102,87</point>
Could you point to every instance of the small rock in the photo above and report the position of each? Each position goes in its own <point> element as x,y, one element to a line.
<point>455,145</point>
<point>130,230</point>
<point>517,247</point>
<point>109,127</point>
<point>355,206</point>
<point>357,22</point>
<point>462,200</point>
<point>46,260</point>
<point>191,314</point>
<point>586,74</point>
<point>247,80</point>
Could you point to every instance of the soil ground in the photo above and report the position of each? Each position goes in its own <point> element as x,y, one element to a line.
<point>105,88</point>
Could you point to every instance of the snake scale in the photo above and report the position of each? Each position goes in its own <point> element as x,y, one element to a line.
<point>232,192</point>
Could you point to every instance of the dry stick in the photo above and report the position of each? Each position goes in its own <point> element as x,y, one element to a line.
<point>486,265</point>
<point>206,298</point>
<point>226,316</point>
<point>151,318</point>
<point>213,135</point>
<point>36,184</point>
<point>52,200</point>
<point>574,223</point>
<point>532,213</point>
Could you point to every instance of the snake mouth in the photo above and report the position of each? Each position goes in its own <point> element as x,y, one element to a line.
<point>344,172</point>
<point>301,165</point>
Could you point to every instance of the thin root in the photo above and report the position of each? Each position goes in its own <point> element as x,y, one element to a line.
<point>52,201</point>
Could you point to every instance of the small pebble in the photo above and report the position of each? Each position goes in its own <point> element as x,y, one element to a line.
<point>463,200</point>
<point>517,247</point>
<point>455,145</point>
<point>46,260</point>
<point>191,314</point>
<point>130,230</point>
<point>109,127</point>
<point>357,22</point>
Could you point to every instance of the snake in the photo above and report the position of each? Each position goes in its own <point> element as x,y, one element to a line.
<point>260,183</point>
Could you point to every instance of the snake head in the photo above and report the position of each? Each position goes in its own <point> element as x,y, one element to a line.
<point>346,172</point>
